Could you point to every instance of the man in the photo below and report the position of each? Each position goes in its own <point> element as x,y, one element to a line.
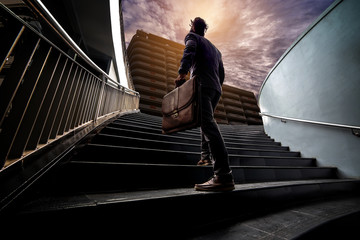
<point>203,60</point>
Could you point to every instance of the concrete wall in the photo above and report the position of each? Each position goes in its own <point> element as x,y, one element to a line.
<point>318,79</point>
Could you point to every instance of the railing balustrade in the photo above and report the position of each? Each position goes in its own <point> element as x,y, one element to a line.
<point>45,93</point>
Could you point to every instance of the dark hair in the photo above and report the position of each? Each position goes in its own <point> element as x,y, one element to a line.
<point>200,26</point>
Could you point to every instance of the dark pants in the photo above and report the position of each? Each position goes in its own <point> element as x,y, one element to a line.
<point>212,140</point>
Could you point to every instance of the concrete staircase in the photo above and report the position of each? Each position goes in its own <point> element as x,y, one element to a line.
<point>128,177</point>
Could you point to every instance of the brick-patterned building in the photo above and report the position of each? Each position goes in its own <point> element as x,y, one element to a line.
<point>153,63</point>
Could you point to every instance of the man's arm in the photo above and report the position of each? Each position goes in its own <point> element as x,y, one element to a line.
<point>221,72</point>
<point>188,56</point>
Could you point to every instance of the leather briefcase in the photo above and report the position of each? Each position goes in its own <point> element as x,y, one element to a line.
<point>180,107</point>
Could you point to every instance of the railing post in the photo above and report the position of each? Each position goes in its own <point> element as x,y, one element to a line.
<point>99,100</point>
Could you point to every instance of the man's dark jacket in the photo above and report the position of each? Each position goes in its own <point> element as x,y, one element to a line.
<point>202,59</point>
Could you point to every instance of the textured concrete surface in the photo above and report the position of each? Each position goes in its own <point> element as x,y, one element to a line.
<point>297,222</point>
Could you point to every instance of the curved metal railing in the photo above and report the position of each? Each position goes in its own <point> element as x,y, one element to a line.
<point>355,129</point>
<point>45,93</point>
<point>40,7</point>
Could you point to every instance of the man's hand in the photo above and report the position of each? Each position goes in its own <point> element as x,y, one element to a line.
<point>180,80</point>
<point>180,77</point>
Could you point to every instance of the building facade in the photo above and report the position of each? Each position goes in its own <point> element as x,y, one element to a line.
<point>154,62</point>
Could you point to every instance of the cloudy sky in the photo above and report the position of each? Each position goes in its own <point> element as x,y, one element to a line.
<point>251,34</point>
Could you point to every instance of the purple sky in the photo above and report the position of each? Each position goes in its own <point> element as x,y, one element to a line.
<point>251,34</point>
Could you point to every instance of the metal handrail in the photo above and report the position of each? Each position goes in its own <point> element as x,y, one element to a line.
<point>282,118</point>
<point>49,103</point>
<point>64,35</point>
<point>46,94</point>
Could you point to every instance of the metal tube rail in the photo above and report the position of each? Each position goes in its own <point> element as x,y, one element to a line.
<point>63,34</point>
<point>315,122</point>
<point>45,93</point>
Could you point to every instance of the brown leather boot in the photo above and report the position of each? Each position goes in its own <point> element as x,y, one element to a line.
<point>217,184</point>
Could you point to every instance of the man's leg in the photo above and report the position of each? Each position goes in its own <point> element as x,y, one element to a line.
<point>222,179</point>
<point>206,158</point>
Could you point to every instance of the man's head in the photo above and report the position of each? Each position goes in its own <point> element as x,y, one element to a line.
<point>199,26</point>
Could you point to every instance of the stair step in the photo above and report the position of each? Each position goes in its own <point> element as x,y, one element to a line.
<point>92,199</point>
<point>139,117</point>
<point>332,218</point>
<point>224,127</point>
<point>189,134</point>
<point>232,133</point>
<point>105,139</point>
<point>158,120</point>
<point>164,211</point>
<point>99,152</point>
<point>89,176</point>
<point>179,139</point>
